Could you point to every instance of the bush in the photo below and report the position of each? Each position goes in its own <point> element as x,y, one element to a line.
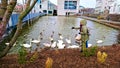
<point>22,55</point>
<point>90,51</point>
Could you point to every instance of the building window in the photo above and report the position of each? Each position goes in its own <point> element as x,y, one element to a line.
<point>118,8</point>
<point>49,12</point>
<point>70,4</point>
<point>40,6</point>
<point>44,11</point>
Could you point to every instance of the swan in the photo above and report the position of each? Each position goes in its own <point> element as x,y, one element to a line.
<point>46,44</point>
<point>27,45</point>
<point>77,37</point>
<point>68,41</point>
<point>53,45</point>
<point>9,43</point>
<point>89,45</point>
<point>60,44</point>
<point>51,38</point>
<point>60,36</point>
<point>73,46</point>
<point>99,41</point>
<point>36,41</point>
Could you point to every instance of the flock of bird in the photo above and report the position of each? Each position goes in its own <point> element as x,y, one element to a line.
<point>59,44</point>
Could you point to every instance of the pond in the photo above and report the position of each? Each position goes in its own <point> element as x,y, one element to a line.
<point>61,24</point>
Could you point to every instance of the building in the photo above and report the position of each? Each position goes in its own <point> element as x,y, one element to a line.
<point>48,7</point>
<point>115,7</point>
<point>68,6</point>
<point>87,11</point>
<point>112,5</point>
<point>101,5</point>
<point>35,9</point>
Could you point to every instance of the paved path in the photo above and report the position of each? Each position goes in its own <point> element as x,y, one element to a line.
<point>113,24</point>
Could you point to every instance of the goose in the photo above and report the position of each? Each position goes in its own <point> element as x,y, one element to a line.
<point>27,45</point>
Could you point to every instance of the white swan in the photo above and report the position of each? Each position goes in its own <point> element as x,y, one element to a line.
<point>89,45</point>
<point>51,38</point>
<point>27,45</point>
<point>78,37</point>
<point>99,41</point>
<point>46,44</point>
<point>9,43</point>
<point>36,41</point>
<point>68,41</point>
<point>60,44</point>
<point>73,46</point>
<point>60,36</point>
<point>53,45</point>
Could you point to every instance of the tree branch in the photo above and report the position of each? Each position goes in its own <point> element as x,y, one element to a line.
<point>19,25</point>
<point>6,16</point>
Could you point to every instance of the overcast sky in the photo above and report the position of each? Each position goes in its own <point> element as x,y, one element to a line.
<point>85,3</point>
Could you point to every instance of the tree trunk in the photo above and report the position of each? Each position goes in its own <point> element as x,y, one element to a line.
<point>19,27</point>
<point>3,8</point>
<point>6,17</point>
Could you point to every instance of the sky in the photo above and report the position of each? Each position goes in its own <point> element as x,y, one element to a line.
<point>85,3</point>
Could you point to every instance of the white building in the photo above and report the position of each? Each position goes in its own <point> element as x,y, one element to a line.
<point>101,5</point>
<point>48,7</point>
<point>65,6</point>
<point>115,7</point>
<point>112,5</point>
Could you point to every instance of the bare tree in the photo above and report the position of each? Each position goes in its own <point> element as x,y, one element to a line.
<point>30,4</point>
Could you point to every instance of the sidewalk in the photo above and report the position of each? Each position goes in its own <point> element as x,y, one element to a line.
<point>109,23</point>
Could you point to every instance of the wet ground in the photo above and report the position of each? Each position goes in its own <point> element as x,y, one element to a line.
<point>61,24</point>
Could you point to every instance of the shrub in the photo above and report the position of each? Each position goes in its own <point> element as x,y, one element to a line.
<point>22,55</point>
<point>90,51</point>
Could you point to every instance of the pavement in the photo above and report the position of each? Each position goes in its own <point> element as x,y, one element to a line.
<point>109,23</point>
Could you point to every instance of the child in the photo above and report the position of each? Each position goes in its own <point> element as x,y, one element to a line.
<point>84,34</point>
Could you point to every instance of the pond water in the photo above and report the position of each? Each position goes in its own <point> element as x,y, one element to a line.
<point>62,24</point>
